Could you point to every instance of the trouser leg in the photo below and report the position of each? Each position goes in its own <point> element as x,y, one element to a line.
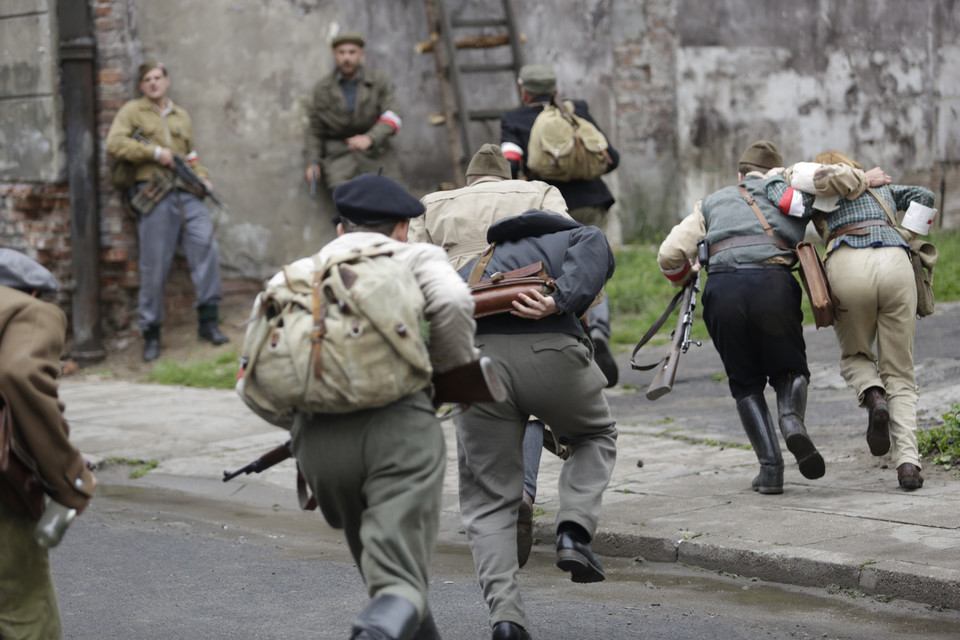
<point>201,250</point>
<point>532,450</point>
<point>158,233</point>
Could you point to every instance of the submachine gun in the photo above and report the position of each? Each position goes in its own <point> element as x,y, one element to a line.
<point>187,176</point>
<point>680,340</point>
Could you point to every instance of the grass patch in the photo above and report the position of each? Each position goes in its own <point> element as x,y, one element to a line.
<point>219,372</point>
<point>941,445</point>
<point>140,467</point>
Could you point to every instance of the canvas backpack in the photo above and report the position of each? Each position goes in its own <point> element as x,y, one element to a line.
<point>563,146</point>
<point>341,337</point>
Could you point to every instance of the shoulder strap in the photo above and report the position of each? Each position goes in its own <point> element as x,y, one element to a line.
<point>892,219</point>
<point>756,210</point>
<point>476,274</point>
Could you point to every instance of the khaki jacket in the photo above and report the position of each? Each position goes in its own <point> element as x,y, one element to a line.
<point>31,339</point>
<point>457,220</point>
<point>173,130</point>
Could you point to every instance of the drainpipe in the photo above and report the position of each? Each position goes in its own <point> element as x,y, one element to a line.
<point>77,69</point>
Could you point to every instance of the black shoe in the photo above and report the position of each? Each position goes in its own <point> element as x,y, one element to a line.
<point>386,617</point>
<point>604,359</point>
<point>506,630</point>
<point>577,558</point>
<point>878,427</point>
<point>211,332</point>
<point>151,349</point>
<point>908,475</point>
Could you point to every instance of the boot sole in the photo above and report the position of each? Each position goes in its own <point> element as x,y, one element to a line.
<point>809,460</point>
<point>878,432</point>
<point>578,566</point>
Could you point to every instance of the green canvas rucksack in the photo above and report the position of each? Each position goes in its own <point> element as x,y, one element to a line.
<point>342,337</point>
<point>563,146</point>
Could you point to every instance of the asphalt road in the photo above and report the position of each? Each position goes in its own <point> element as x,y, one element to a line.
<point>148,563</point>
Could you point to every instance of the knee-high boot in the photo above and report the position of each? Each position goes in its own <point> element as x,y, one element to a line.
<point>792,407</point>
<point>756,420</point>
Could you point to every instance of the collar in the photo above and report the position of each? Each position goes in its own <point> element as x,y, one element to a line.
<point>338,76</point>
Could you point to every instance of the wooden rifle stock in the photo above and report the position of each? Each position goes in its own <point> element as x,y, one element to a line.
<point>680,341</point>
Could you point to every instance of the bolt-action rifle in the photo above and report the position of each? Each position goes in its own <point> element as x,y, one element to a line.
<point>186,174</point>
<point>680,340</point>
<point>473,382</point>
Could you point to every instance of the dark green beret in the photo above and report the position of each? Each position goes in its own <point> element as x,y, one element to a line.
<point>762,153</point>
<point>351,37</point>
<point>537,79</point>
<point>371,199</point>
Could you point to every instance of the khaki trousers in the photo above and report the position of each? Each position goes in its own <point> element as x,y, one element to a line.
<point>875,329</point>
<point>554,377</point>
<point>28,601</point>
<point>378,475</point>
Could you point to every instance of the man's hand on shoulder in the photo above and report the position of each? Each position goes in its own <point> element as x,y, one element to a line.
<point>534,305</point>
<point>359,142</point>
<point>877,177</point>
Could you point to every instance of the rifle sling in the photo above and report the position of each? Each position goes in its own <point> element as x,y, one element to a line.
<point>652,331</point>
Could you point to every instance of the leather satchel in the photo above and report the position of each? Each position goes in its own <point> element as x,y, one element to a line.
<point>21,488</point>
<point>823,302</point>
<point>497,293</point>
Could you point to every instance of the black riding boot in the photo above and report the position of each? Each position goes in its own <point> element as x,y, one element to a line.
<point>792,407</point>
<point>386,617</point>
<point>428,629</point>
<point>758,424</point>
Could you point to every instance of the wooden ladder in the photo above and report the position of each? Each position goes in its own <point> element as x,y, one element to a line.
<point>452,75</point>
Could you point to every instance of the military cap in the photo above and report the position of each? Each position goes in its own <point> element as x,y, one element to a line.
<point>489,161</point>
<point>537,79</point>
<point>18,271</point>
<point>762,153</point>
<point>348,37</point>
<point>148,65</point>
<point>372,199</point>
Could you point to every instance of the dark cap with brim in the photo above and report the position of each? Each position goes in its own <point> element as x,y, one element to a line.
<point>348,37</point>
<point>489,161</point>
<point>537,79</point>
<point>371,199</point>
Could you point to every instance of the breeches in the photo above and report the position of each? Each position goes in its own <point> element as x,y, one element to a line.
<point>553,377</point>
<point>28,601</point>
<point>378,475</point>
<point>875,329</point>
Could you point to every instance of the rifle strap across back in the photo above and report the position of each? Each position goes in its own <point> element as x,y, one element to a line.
<point>652,331</point>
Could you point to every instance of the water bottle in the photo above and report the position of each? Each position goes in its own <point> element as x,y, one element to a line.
<point>53,524</point>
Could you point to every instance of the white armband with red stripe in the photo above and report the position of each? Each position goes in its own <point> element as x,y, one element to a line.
<point>191,157</point>
<point>792,203</point>
<point>391,119</point>
<point>676,275</point>
<point>512,151</point>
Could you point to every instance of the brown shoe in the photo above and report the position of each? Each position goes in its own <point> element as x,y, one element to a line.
<point>909,476</point>
<point>525,529</point>
<point>878,427</point>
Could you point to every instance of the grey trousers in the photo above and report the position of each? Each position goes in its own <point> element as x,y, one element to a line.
<point>378,475</point>
<point>554,377</point>
<point>180,218</point>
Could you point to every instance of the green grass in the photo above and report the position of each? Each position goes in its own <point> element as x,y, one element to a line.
<point>219,372</point>
<point>941,445</point>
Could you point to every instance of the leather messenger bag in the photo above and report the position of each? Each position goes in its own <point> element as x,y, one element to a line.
<point>497,293</point>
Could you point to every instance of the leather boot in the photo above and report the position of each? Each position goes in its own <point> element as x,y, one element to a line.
<point>386,617</point>
<point>791,408</point>
<point>209,330</point>
<point>428,629</point>
<point>151,344</point>
<point>758,424</point>
<point>878,424</point>
<point>506,630</point>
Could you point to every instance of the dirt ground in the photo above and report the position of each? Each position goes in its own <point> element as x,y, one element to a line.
<point>180,344</point>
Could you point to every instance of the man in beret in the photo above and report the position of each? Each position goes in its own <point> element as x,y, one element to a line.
<point>353,116</point>
<point>32,333</point>
<point>589,201</point>
<point>378,473</point>
<point>751,302</point>
<point>176,217</point>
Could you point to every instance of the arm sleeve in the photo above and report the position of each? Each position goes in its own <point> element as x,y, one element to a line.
<point>511,143</point>
<point>449,308</point>
<point>553,201</point>
<point>905,194</point>
<point>30,356</point>
<point>389,121</point>
<point>121,145</point>
<point>587,265</point>
<point>679,249</point>
<point>313,138</point>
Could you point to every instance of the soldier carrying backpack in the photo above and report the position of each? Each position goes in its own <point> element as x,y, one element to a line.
<point>376,470</point>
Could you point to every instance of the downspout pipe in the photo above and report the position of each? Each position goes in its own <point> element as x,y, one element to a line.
<point>78,91</point>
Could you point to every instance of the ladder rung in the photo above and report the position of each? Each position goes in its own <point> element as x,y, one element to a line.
<point>476,23</point>
<point>485,68</point>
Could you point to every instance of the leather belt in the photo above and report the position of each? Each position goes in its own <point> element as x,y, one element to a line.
<point>745,266</point>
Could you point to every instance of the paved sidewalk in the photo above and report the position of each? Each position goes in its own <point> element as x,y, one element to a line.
<point>681,488</point>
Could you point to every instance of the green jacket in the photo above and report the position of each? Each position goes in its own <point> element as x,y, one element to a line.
<point>376,114</point>
<point>173,130</point>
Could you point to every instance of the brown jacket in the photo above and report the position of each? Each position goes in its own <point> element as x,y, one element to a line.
<point>31,339</point>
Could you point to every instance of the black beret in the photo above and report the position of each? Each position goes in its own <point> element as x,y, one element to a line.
<point>371,199</point>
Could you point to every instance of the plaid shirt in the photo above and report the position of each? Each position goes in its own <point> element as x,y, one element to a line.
<point>897,197</point>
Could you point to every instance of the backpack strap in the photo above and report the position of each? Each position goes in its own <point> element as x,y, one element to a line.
<point>319,312</point>
<point>476,274</point>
